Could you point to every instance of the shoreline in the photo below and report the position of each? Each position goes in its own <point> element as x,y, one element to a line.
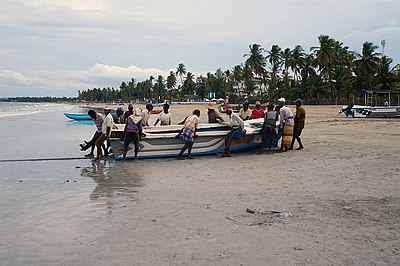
<point>341,190</point>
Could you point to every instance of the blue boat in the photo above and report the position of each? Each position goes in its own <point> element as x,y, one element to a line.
<point>78,116</point>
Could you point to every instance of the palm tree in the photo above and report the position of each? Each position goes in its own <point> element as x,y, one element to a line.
<point>296,61</point>
<point>255,60</point>
<point>325,55</point>
<point>171,81</point>
<point>201,86</point>
<point>159,87</point>
<point>286,56</point>
<point>237,76</point>
<point>229,81</point>
<point>247,77</point>
<point>181,71</point>
<point>188,86</point>
<point>384,72</point>
<point>325,58</point>
<point>367,64</point>
<point>274,57</point>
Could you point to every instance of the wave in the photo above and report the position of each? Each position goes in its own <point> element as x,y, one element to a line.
<point>10,114</point>
<point>21,109</point>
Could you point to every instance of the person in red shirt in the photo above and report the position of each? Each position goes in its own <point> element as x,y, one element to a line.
<point>258,112</point>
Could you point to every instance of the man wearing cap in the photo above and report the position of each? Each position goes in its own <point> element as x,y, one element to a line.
<point>258,112</point>
<point>286,124</point>
<point>299,121</point>
<point>105,133</point>
<point>245,112</point>
<point>146,114</point>
<point>118,116</point>
<point>236,132</point>
<point>213,116</point>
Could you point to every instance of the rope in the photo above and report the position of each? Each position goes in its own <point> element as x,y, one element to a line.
<point>42,159</point>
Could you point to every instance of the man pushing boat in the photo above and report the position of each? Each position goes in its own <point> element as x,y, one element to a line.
<point>188,133</point>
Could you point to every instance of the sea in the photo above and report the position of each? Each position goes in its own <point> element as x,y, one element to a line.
<point>48,198</point>
<point>41,131</point>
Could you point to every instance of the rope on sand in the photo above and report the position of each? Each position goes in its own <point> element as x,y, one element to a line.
<point>42,159</point>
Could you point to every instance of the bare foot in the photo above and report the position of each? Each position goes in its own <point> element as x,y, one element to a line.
<point>180,158</point>
<point>99,159</point>
<point>300,148</point>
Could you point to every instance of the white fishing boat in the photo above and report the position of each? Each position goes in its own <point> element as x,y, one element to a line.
<point>371,111</point>
<point>160,141</point>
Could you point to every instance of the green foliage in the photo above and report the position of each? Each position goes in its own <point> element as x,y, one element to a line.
<point>329,74</point>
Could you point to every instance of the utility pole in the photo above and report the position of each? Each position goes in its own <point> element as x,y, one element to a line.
<point>383,43</point>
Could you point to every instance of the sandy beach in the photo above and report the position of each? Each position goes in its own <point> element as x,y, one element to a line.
<point>340,199</point>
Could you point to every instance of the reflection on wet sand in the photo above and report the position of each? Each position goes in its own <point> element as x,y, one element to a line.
<point>113,179</point>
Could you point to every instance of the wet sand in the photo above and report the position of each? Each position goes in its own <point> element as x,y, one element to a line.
<point>342,191</point>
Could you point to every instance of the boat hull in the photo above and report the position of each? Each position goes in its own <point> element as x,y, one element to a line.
<point>210,141</point>
<point>78,116</point>
<point>373,112</point>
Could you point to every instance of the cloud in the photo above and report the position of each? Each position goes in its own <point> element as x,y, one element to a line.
<point>59,47</point>
<point>390,29</point>
<point>61,83</point>
<point>12,78</point>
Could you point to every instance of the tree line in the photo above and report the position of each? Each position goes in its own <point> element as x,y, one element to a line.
<point>328,74</point>
<point>39,99</point>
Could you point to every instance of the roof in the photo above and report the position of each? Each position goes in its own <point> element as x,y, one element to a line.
<point>381,91</point>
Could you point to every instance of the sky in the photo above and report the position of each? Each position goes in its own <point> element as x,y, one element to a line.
<point>55,48</point>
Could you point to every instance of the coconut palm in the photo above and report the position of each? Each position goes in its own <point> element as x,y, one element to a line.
<point>385,72</point>
<point>296,61</point>
<point>159,87</point>
<point>181,71</point>
<point>325,56</point>
<point>188,87</point>
<point>274,57</point>
<point>171,81</point>
<point>367,64</point>
<point>256,60</point>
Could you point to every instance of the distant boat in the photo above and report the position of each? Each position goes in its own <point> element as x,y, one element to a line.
<point>154,112</point>
<point>78,116</point>
<point>368,111</point>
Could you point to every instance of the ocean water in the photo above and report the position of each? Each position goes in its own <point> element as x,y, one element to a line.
<point>41,131</point>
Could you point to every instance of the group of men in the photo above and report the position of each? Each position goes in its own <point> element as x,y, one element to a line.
<point>290,125</point>
<point>105,123</point>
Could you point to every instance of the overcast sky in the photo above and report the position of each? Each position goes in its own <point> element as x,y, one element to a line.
<point>55,48</point>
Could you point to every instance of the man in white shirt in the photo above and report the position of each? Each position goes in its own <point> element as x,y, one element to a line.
<point>165,116</point>
<point>236,132</point>
<point>146,114</point>
<point>245,112</point>
<point>286,124</point>
<point>105,133</point>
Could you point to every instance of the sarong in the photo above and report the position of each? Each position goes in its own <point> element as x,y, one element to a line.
<point>235,133</point>
<point>287,136</point>
<point>187,135</point>
<point>269,133</point>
